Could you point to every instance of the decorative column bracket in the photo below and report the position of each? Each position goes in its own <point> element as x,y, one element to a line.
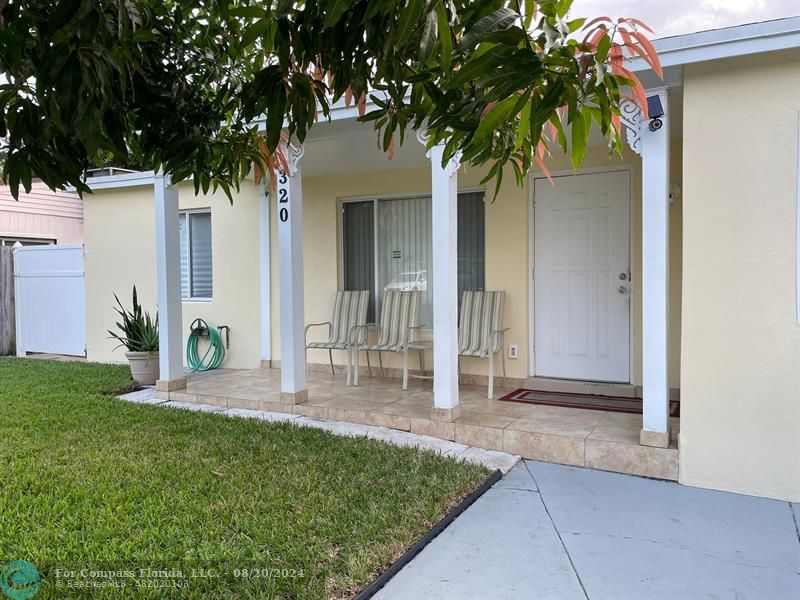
<point>452,166</point>
<point>631,116</point>
<point>293,155</point>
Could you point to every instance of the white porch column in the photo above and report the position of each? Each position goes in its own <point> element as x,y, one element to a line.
<point>266,273</point>
<point>168,269</point>
<point>289,210</point>
<point>655,277</point>
<point>445,285</point>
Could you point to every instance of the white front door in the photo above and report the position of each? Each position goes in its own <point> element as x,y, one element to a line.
<point>582,286</point>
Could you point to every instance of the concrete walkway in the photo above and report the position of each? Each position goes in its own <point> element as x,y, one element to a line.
<point>549,531</point>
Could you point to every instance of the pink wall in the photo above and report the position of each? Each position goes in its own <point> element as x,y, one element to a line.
<point>42,214</point>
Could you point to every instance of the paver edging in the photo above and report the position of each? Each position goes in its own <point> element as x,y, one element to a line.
<point>492,459</point>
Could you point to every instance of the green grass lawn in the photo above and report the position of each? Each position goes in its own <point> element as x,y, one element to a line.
<point>244,509</point>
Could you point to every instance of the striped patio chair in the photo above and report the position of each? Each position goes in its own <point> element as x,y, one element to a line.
<point>349,312</point>
<point>398,327</point>
<point>481,333</point>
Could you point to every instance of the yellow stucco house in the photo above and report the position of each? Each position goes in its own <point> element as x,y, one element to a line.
<point>670,272</point>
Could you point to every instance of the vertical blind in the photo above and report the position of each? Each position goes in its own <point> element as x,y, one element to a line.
<point>195,241</point>
<point>471,243</point>
<point>399,242</point>
<point>358,249</point>
<point>405,250</point>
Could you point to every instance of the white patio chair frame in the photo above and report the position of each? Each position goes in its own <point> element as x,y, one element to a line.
<point>491,335</point>
<point>331,344</point>
<point>401,347</point>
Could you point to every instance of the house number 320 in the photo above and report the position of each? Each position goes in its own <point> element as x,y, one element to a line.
<point>283,197</point>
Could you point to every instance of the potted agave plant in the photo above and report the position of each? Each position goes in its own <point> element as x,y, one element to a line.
<point>139,334</point>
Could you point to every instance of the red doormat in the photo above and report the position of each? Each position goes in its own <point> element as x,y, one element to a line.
<point>621,404</point>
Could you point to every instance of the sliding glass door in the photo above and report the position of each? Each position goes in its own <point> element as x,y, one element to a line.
<point>387,245</point>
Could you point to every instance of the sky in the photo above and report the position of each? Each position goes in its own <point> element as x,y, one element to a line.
<point>675,17</point>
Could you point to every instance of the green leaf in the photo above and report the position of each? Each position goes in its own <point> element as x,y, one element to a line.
<point>524,125</point>
<point>248,12</point>
<point>409,19</point>
<point>578,150</point>
<point>275,115</point>
<point>445,41</point>
<point>530,8</point>
<point>603,46</point>
<point>562,138</point>
<point>379,101</point>
<point>255,31</point>
<point>373,115</point>
<point>586,114</point>
<point>562,6</point>
<point>335,10</point>
<point>475,67</point>
<point>576,24</point>
<point>498,20</point>
<point>387,135</point>
<point>144,35</point>
<point>429,34</point>
<point>496,117</point>
<point>550,101</point>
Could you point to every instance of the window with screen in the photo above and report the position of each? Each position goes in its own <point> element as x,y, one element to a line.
<point>196,268</point>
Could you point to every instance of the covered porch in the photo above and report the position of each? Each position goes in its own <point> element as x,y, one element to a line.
<point>585,438</point>
<point>301,265</point>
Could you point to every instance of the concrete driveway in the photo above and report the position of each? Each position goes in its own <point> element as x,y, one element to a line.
<point>549,531</point>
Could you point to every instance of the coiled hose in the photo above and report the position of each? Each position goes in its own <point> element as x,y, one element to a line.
<point>214,354</point>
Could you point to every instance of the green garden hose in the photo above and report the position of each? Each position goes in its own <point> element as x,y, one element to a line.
<point>214,354</point>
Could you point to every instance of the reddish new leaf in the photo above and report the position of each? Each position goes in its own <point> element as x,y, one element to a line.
<point>635,22</point>
<point>390,150</point>
<point>650,54</point>
<point>597,20</point>
<point>615,55</point>
<point>593,37</point>
<point>362,104</point>
<point>545,171</point>
<point>635,48</point>
<point>636,86</point>
<point>616,123</point>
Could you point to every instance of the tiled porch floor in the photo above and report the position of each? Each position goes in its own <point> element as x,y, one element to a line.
<point>585,438</point>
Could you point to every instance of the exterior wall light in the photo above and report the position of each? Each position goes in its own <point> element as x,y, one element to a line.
<point>654,112</point>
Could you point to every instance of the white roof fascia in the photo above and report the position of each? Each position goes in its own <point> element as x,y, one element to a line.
<point>120,181</point>
<point>753,38</point>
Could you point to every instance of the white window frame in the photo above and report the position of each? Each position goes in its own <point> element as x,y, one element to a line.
<point>375,199</point>
<point>186,213</point>
<point>34,240</point>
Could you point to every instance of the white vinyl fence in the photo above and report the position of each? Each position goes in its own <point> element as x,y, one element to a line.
<point>50,300</point>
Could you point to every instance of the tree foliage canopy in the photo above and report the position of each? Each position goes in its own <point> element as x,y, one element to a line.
<point>184,85</point>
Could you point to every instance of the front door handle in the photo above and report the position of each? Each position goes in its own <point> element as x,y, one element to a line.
<point>622,289</point>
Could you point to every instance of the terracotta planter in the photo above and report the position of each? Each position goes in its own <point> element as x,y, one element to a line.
<point>144,367</point>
